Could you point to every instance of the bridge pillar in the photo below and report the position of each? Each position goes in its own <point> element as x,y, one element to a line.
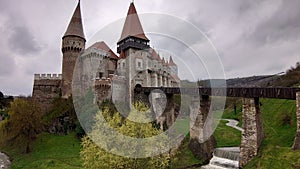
<point>169,112</point>
<point>202,142</point>
<point>296,145</point>
<point>252,135</point>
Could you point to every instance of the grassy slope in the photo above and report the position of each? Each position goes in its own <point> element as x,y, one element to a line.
<point>276,149</point>
<point>50,151</point>
<point>227,136</point>
<point>279,118</point>
<point>185,156</point>
<point>53,151</point>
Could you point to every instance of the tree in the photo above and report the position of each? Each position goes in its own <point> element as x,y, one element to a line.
<point>62,118</point>
<point>1,95</point>
<point>96,157</point>
<point>23,124</point>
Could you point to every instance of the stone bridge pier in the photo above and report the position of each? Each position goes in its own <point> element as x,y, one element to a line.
<point>202,142</point>
<point>161,105</point>
<point>252,135</point>
<point>296,145</point>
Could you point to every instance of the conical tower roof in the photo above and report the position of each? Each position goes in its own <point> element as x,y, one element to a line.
<point>133,26</point>
<point>75,27</point>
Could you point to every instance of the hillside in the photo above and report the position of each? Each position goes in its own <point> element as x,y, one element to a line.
<point>279,122</point>
<point>291,78</point>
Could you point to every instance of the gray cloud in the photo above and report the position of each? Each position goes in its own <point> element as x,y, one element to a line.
<point>7,64</point>
<point>22,41</point>
<point>253,37</point>
<point>283,25</point>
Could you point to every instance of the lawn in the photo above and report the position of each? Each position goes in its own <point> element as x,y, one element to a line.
<point>50,151</point>
<point>227,136</point>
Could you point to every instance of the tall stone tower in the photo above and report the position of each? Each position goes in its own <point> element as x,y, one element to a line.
<point>73,43</point>
<point>130,47</point>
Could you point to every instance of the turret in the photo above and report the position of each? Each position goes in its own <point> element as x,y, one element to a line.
<point>73,43</point>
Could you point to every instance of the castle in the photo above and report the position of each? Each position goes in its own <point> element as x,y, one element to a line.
<point>136,64</point>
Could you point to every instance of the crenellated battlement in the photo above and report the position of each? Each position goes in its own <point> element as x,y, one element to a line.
<point>103,83</point>
<point>47,76</point>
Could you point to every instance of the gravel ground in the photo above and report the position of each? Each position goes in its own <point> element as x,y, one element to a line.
<point>4,161</point>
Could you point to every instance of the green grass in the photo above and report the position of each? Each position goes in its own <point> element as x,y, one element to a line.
<point>182,125</point>
<point>279,118</point>
<point>50,151</point>
<point>227,136</point>
<point>229,111</point>
<point>279,136</point>
<point>279,121</point>
<point>185,157</point>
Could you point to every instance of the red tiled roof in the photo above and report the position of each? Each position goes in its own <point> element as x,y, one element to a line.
<point>103,46</point>
<point>155,55</point>
<point>132,25</point>
<point>75,27</point>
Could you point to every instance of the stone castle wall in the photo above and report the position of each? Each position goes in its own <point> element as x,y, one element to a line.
<point>46,87</point>
<point>103,89</point>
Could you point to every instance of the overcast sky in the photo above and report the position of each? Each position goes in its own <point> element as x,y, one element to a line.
<point>252,37</point>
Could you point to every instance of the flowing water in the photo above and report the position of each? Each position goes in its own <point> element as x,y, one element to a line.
<point>226,157</point>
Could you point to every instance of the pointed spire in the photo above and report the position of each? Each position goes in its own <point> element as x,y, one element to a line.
<point>163,61</point>
<point>133,26</point>
<point>159,58</point>
<point>75,27</point>
<point>171,62</point>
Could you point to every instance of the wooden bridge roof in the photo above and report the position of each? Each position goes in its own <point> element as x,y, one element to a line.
<point>279,93</point>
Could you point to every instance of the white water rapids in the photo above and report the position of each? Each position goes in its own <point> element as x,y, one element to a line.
<point>226,157</point>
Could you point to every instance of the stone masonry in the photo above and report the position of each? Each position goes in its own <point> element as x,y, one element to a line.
<point>46,88</point>
<point>202,143</point>
<point>252,135</point>
<point>296,145</point>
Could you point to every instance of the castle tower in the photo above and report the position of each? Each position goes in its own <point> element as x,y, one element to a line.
<point>73,42</point>
<point>130,47</point>
<point>133,35</point>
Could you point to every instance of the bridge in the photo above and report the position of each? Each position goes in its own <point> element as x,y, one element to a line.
<point>252,134</point>
<point>250,92</point>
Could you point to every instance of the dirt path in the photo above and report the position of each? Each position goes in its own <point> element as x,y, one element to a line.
<point>233,123</point>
